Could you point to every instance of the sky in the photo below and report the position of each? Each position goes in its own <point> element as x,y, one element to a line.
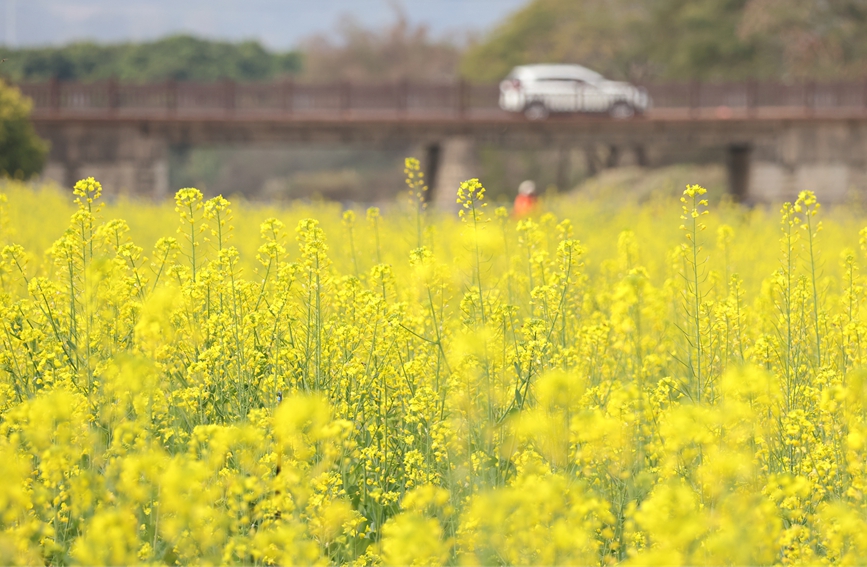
<point>278,24</point>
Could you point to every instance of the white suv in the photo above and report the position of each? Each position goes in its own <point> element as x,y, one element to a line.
<point>538,90</point>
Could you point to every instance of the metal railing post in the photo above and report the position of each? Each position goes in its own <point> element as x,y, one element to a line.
<point>694,99</point>
<point>54,94</point>
<point>809,98</point>
<point>229,95</point>
<point>752,98</point>
<point>345,98</point>
<point>287,92</point>
<point>461,98</point>
<point>171,96</point>
<point>864,97</point>
<point>403,97</point>
<point>113,95</point>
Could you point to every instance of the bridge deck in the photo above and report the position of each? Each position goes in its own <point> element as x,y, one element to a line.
<point>776,139</point>
<point>477,117</point>
<point>419,103</point>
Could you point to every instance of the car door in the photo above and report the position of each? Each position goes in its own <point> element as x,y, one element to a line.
<point>589,97</point>
<point>558,94</point>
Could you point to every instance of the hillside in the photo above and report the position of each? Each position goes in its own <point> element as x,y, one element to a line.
<point>681,39</point>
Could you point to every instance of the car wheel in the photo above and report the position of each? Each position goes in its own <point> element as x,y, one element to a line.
<point>536,111</point>
<point>621,111</point>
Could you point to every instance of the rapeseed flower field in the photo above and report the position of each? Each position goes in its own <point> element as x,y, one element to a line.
<point>670,383</point>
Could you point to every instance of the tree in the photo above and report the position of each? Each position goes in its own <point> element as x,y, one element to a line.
<point>179,57</point>
<point>22,152</point>
<point>601,34</point>
<point>400,51</point>
<point>186,58</point>
<point>681,39</point>
<point>699,39</point>
<point>814,38</point>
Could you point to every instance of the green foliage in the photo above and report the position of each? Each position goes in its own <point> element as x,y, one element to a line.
<point>601,34</point>
<point>701,39</point>
<point>812,37</point>
<point>353,52</point>
<point>22,152</point>
<point>178,57</point>
<point>681,39</point>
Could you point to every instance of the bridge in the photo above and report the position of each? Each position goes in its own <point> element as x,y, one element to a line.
<point>776,139</point>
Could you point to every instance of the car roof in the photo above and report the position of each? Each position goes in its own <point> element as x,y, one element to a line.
<point>554,70</point>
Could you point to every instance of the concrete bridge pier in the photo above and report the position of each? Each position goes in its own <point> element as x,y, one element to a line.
<point>738,169</point>
<point>768,160</point>
<point>828,158</point>
<point>450,162</point>
<point>599,156</point>
<point>131,160</point>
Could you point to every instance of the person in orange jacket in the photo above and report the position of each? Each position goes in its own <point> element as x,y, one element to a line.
<point>525,202</point>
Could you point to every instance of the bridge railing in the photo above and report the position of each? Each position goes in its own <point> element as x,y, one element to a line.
<point>753,98</point>
<point>287,99</point>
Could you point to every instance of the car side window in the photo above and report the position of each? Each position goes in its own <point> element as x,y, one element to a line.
<point>588,85</point>
<point>562,81</point>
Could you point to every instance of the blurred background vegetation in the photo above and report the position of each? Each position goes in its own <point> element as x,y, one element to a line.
<point>183,58</point>
<point>22,152</point>
<point>642,40</point>
<point>638,40</point>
